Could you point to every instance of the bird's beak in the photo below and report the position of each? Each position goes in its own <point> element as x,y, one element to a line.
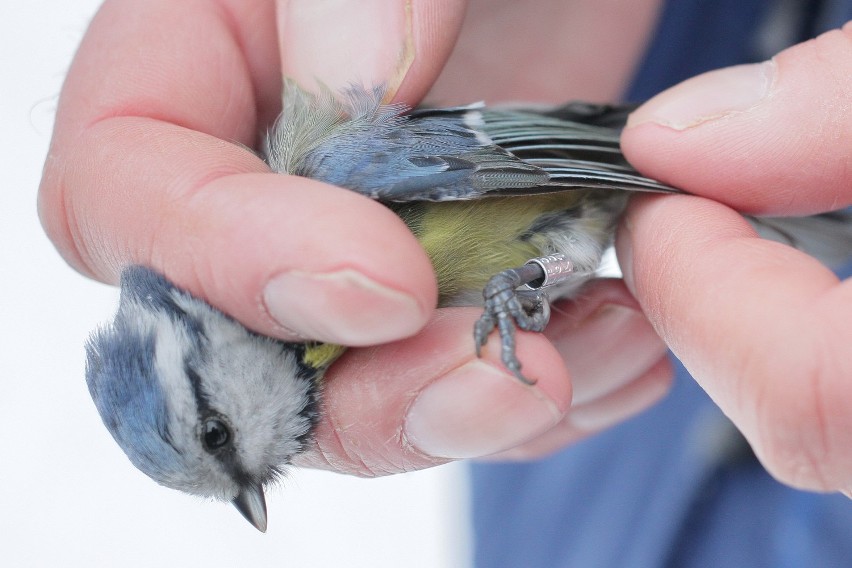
<point>252,505</point>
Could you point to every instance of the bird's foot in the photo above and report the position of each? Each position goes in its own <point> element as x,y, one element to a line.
<point>507,307</point>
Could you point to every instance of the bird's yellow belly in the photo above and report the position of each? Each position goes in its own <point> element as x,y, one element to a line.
<point>471,241</point>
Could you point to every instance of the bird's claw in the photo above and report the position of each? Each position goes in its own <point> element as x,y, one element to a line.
<point>506,307</point>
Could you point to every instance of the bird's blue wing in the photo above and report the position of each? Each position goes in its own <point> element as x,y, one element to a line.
<point>468,153</point>
<point>456,153</point>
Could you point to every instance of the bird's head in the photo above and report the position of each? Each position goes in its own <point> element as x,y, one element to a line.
<point>196,401</point>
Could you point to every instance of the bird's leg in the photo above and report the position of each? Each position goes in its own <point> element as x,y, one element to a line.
<point>507,307</point>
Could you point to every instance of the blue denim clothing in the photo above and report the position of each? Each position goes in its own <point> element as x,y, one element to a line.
<point>670,488</point>
<point>675,486</point>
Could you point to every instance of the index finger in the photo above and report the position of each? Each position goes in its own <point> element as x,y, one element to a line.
<point>765,329</point>
<point>768,139</point>
<point>151,163</point>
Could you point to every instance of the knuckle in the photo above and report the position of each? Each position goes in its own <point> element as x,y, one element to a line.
<point>56,215</point>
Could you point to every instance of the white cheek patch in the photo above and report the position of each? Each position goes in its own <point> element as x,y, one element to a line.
<point>254,383</point>
<point>172,348</point>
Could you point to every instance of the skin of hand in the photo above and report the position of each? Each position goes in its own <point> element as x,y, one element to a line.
<point>150,163</point>
<point>764,329</point>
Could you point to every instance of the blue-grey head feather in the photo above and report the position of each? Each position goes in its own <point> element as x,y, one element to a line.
<point>130,399</point>
<point>145,285</point>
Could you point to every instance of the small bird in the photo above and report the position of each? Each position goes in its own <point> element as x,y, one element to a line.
<point>514,207</point>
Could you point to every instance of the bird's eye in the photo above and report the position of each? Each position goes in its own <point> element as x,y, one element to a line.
<point>215,435</point>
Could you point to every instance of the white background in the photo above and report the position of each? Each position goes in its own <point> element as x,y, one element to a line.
<point>68,496</point>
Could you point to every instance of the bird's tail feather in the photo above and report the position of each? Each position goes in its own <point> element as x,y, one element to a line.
<point>827,236</point>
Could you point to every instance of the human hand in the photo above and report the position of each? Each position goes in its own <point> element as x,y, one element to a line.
<point>763,328</point>
<point>150,164</point>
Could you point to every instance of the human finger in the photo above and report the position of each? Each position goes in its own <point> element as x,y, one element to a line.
<point>428,399</point>
<point>617,363</point>
<point>768,138</point>
<point>398,43</point>
<point>151,164</point>
<point>762,327</point>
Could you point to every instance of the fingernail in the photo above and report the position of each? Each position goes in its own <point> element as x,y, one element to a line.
<point>343,307</point>
<point>340,42</point>
<point>610,348</point>
<point>477,410</point>
<point>708,96</point>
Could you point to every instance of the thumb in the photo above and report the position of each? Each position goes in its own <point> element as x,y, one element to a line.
<point>768,138</point>
<point>399,43</point>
